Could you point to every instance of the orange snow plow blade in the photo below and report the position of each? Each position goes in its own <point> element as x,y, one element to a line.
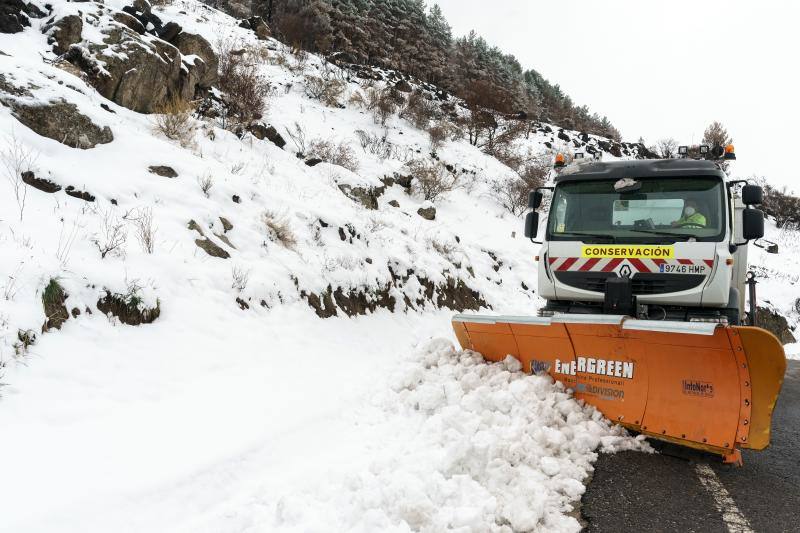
<point>701,385</point>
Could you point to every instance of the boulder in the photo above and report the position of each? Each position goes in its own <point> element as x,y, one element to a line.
<point>776,324</point>
<point>63,33</point>
<point>314,161</point>
<point>169,31</point>
<point>261,132</point>
<point>41,184</point>
<point>366,196</point>
<point>394,203</point>
<point>61,121</point>
<point>205,62</point>
<point>163,171</point>
<point>130,21</point>
<point>81,195</point>
<point>211,248</point>
<point>428,213</point>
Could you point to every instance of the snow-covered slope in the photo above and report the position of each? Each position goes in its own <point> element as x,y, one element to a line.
<point>238,408</point>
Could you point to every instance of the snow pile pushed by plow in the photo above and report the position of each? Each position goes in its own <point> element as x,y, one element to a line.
<point>467,446</point>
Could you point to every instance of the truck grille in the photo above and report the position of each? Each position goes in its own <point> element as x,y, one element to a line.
<point>642,283</point>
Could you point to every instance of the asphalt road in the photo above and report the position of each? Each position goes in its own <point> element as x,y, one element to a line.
<point>681,490</point>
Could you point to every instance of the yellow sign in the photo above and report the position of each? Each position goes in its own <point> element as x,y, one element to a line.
<point>630,251</point>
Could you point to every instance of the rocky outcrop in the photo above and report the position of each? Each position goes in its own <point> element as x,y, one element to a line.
<point>15,15</point>
<point>366,196</point>
<point>129,70</point>
<point>127,309</point>
<point>140,63</point>
<point>62,122</point>
<point>64,33</point>
<point>41,184</point>
<point>776,324</point>
<point>201,56</point>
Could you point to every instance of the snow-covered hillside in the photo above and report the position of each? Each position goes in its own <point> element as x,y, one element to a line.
<point>235,407</point>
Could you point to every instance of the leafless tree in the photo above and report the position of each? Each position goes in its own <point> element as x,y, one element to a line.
<point>112,236</point>
<point>18,159</point>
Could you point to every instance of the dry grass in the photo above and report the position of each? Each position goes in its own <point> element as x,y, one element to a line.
<point>279,230</point>
<point>340,154</point>
<point>173,119</point>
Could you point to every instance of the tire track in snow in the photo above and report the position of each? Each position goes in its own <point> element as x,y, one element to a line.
<point>731,515</point>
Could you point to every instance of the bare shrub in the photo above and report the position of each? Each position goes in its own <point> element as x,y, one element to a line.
<point>432,179</point>
<point>145,228</point>
<point>173,119</point>
<point>327,90</point>
<point>18,159</point>
<point>206,183</point>
<point>532,172</point>
<point>340,154</point>
<point>298,137</point>
<point>279,229</point>
<point>246,90</point>
<point>438,133</point>
<point>418,110</point>
<point>239,278</point>
<point>382,103</point>
<point>112,236</point>
<point>377,145</point>
<point>357,99</point>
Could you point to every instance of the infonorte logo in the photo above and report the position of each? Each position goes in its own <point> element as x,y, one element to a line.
<point>698,388</point>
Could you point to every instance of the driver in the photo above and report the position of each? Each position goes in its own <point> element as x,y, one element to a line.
<point>691,215</point>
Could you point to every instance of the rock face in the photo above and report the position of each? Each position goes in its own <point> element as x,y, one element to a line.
<point>206,71</point>
<point>15,15</point>
<point>775,324</point>
<point>133,72</point>
<point>62,122</point>
<point>139,63</point>
<point>64,33</point>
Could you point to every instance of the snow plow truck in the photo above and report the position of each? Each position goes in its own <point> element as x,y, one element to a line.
<point>643,266</point>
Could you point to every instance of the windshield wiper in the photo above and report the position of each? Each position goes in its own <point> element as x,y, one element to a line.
<point>593,235</point>
<point>667,233</point>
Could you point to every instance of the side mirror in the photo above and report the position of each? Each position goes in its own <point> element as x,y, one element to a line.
<point>752,195</point>
<point>752,224</point>
<point>535,199</point>
<point>532,225</point>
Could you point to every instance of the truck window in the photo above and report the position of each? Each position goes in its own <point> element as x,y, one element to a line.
<point>678,208</point>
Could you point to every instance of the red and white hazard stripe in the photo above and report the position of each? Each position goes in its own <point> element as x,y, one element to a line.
<point>594,264</point>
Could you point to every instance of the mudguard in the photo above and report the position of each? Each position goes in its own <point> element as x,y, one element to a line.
<point>701,385</point>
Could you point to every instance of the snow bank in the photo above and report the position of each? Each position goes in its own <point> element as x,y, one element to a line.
<point>464,446</point>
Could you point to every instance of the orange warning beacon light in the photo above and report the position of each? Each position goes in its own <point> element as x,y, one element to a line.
<point>560,161</point>
<point>730,153</point>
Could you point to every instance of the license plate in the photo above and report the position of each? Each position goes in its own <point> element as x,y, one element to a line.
<point>682,269</point>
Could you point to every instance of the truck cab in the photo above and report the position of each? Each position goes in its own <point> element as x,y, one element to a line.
<point>668,237</point>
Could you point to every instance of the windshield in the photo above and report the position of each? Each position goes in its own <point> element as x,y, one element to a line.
<point>656,210</point>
